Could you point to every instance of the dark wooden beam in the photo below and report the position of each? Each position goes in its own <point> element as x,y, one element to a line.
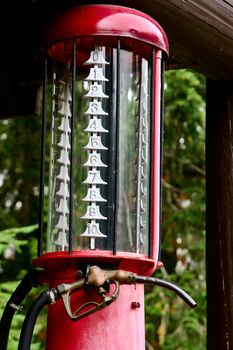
<point>219,214</point>
<point>200,33</point>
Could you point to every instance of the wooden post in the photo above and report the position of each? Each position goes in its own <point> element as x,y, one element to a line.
<point>219,238</point>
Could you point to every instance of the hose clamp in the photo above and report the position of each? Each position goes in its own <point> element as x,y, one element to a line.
<point>52,295</point>
<point>16,307</point>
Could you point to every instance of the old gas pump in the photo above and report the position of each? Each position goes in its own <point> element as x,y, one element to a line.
<point>102,98</point>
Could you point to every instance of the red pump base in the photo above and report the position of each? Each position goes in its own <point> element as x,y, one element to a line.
<point>119,326</point>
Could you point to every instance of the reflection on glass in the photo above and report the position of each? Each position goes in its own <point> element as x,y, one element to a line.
<point>59,192</point>
<point>133,164</point>
<point>111,162</point>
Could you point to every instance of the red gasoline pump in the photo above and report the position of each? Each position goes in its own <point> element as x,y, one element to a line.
<point>102,96</point>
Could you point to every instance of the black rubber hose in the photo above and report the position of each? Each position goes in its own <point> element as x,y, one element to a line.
<point>13,304</point>
<point>161,283</point>
<point>30,319</point>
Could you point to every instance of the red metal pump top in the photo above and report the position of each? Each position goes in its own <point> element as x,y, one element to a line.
<point>105,20</point>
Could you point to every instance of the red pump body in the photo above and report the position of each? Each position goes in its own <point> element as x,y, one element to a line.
<point>119,326</point>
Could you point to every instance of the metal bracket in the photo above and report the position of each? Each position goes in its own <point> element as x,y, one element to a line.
<point>16,307</point>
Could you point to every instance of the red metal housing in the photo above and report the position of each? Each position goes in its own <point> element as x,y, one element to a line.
<point>121,325</point>
<point>107,21</point>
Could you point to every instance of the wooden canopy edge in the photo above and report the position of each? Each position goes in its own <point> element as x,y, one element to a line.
<point>200,33</point>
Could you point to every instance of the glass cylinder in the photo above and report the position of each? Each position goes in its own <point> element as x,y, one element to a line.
<point>100,145</point>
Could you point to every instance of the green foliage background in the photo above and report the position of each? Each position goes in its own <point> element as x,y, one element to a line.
<point>170,324</point>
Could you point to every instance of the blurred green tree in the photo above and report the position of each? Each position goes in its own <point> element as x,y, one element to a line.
<point>170,324</point>
<point>19,193</point>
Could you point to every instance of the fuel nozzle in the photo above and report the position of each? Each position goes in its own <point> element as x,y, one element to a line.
<point>98,277</point>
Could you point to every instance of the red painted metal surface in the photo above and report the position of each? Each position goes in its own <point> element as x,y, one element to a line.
<point>118,326</point>
<point>156,157</point>
<point>105,21</point>
<point>63,265</point>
